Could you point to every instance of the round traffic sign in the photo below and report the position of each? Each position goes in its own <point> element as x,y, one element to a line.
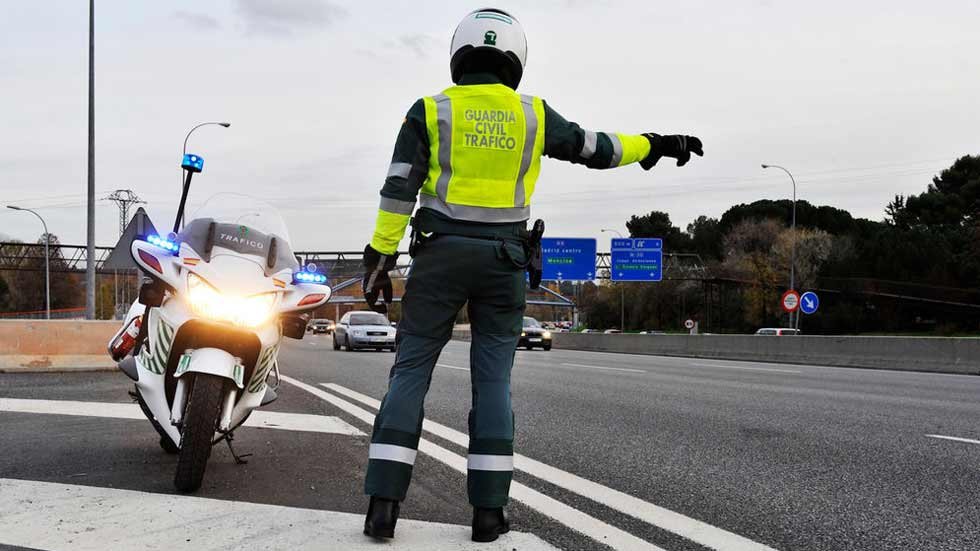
<point>790,301</point>
<point>689,324</point>
<point>809,302</point>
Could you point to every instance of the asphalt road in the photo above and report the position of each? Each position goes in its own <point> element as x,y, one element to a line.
<point>631,451</point>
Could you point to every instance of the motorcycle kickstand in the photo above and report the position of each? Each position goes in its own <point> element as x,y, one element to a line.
<point>239,459</point>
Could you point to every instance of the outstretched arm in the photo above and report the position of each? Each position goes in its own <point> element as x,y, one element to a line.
<point>406,174</point>
<point>567,141</point>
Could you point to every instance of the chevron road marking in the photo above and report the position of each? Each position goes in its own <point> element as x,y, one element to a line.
<point>686,527</point>
<point>570,517</point>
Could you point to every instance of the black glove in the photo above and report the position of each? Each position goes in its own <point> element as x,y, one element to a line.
<point>376,280</point>
<point>675,146</point>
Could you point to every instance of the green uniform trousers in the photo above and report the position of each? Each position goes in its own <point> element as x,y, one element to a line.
<point>448,272</point>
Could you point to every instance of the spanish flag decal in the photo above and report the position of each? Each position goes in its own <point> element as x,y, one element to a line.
<point>191,261</point>
<point>280,284</point>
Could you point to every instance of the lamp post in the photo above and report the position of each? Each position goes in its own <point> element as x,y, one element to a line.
<point>792,263</point>
<point>622,290</point>
<point>90,207</point>
<point>47,260</point>
<point>183,173</point>
<point>191,131</point>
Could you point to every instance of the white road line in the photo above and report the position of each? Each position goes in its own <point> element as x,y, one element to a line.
<point>692,529</point>
<point>570,517</point>
<point>259,419</point>
<point>57,517</point>
<point>605,368</point>
<point>719,366</point>
<point>453,367</point>
<point>953,438</point>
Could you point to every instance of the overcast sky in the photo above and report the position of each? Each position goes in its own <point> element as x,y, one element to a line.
<point>860,99</point>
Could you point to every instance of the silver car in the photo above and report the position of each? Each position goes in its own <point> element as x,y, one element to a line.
<point>360,329</point>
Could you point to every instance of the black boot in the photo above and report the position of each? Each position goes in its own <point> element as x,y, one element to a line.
<point>381,518</point>
<point>488,524</point>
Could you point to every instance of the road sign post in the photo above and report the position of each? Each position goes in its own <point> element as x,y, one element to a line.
<point>568,259</point>
<point>636,259</point>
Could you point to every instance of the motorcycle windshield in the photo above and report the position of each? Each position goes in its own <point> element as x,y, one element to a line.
<point>244,225</point>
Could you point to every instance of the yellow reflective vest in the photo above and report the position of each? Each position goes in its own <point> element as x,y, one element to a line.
<point>485,147</point>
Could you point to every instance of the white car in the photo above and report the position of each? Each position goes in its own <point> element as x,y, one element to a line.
<point>777,331</point>
<point>362,329</point>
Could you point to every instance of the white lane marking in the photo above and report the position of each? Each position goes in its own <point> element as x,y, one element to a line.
<point>570,517</point>
<point>604,368</point>
<point>50,516</point>
<point>259,419</point>
<point>684,526</point>
<point>453,367</point>
<point>719,366</point>
<point>953,438</point>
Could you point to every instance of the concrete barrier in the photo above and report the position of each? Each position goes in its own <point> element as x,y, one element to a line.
<point>933,354</point>
<point>56,345</point>
<point>936,354</point>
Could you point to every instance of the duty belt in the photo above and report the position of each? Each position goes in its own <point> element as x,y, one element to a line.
<point>426,225</point>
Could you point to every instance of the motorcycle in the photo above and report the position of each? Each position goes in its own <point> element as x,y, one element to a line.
<point>202,341</point>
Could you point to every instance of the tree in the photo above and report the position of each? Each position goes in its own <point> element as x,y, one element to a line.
<point>4,295</point>
<point>706,237</point>
<point>658,224</point>
<point>26,285</point>
<point>750,254</point>
<point>813,248</point>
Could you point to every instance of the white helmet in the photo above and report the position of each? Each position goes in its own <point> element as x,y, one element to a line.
<point>490,30</point>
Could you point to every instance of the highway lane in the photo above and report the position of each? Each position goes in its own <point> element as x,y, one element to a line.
<point>790,456</point>
<point>300,488</point>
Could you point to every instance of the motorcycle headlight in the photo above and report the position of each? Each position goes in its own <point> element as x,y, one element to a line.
<point>207,302</point>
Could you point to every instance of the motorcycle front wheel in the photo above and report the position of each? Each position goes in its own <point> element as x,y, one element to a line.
<point>197,432</point>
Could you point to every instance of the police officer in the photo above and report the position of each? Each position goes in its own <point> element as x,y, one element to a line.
<point>471,156</point>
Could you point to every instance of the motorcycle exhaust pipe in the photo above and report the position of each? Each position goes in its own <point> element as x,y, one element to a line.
<point>226,410</point>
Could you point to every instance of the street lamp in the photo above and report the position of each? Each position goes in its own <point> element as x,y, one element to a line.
<point>792,263</point>
<point>47,258</point>
<point>191,131</point>
<point>622,290</point>
<point>183,173</point>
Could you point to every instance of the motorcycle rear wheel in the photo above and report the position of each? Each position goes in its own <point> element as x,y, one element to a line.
<point>197,432</point>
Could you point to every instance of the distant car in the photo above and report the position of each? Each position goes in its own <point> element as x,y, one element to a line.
<point>534,336</point>
<point>322,326</point>
<point>612,332</point>
<point>589,331</point>
<point>777,331</point>
<point>652,333</point>
<point>360,329</point>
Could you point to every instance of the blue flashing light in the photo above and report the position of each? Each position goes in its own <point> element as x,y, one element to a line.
<point>192,163</point>
<point>164,244</point>
<point>309,277</point>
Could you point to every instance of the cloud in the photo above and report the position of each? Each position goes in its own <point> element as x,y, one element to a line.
<point>198,21</point>
<point>422,44</point>
<point>285,17</point>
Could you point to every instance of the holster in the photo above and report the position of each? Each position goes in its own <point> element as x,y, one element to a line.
<point>534,254</point>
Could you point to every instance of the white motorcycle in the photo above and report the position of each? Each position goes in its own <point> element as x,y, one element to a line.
<point>203,340</point>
